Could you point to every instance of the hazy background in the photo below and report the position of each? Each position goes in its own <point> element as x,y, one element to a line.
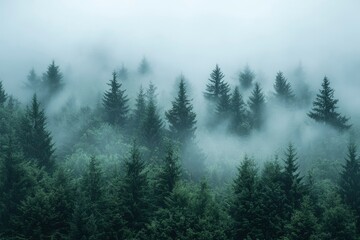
<point>89,39</point>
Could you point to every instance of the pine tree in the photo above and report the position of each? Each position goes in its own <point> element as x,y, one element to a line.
<point>138,115</point>
<point>292,182</point>
<point>324,108</point>
<point>257,106</point>
<point>283,90</point>
<point>238,112</point>
<point>36,141</point>
<point>272,201</point>
<point>52,80</point>
<point>3,95</point>
<point>246,77</point>
<point>216,85</point>
<point>224,104</point>
<point>168,176</point>
<point>33,81</point>
<point>245,210</point>
<point>92,183</point>
<point>115,103</point>
<point>350,181</point>
<point>152,126</point>
<point>144,67</point>
<point>123,73</point>
<point>135,192</point>
<point>181,116</point>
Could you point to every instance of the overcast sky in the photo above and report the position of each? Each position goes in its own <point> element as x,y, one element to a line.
<point>181,36</point>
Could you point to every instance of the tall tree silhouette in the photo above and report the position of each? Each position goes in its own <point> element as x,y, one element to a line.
<point>324,108</point>
<point>283,91</point>
<point>257,106</point>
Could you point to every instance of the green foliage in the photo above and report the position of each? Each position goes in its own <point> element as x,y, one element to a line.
<point>324,108</point>
<point>238,114</point>
<point>3,95</point>
<point>245,208</point>
<point>283,90</point>
<point>33,81</point>
<point>115,103</point>
<point>246,77</point>
<point>181,116</point>
<point>216,86</point>
<point>36,140</point>
<point>138,115</point>
<point>52,82</point>
<point>257,106</point>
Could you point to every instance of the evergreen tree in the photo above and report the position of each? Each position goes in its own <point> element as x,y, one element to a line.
<point>238,112</point>
<point>92,183</point>
<point>36,141</point>
<point>181,116</point>
<point>152,126</point>
<point>33,81</point>
<point>283,91</point>
<point>115,103</point>
<point>216,86</point>
<point>123,73</point>
<point>138,115</point>
<point>324,108</point>
<point>144,67</point>
<point>3,95</point>
<point>52,79</point>
<point>257,106</point>
<point>135,197</point>
<point>303,224</point>
<point>246,77</point>
<point>292,182</point>
<point>350,181</point>
<point>272,201</point>
<point>245,209</point>
<point>168,176</point>
<point>223,106</point>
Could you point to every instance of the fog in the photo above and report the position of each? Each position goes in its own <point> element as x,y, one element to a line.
<point>89,39</point>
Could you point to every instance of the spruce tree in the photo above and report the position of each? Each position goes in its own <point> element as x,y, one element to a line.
<point>53,80</point>
<point>33,81</point>
<point>144,67</point>
<point>324,108</point>
<point>3,95</point>
<point>138,115</point>
<point>238,112</point>
<point>223,105</point>
<point>135,197</point>
<point>152,126</point>
<point>350,181</point>
<point>283,90</point>
<point>216,85</point>
<point>246,78</point>
<point>245,208</point>
<point>36,140</point>
<point>123,73</point>
<point>168,176</point>
<point>115,103</point>
<point>181,117</point>
<point>257,106</point>
<point>92,183</point>
<point>291,181</point>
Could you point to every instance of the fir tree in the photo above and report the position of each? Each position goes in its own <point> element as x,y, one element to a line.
<point>144,67</point>
<point>92,182</point>
<point>324,108</point>
<point>216,85</point>
<point>238,121</point>
<point>168,176</point>
<point>181,116</point>
<point>350,181</point>
<point>257,106</point>
<point>152,126</point>
<point>138,115</point>
<point>33,81</point>
<point>283,91</point>
<point>292,182</point>
<point>246,77</point>
<point>52,79</point>
<point>135,192</point>
<point>3,95</point>
<point>245,209</point>
<point>115,103</point>
<point>224,104</point>
<point>123,73</point>
<point>36,141</point>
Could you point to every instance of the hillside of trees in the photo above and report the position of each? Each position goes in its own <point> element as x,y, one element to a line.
<point>132,166</point>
